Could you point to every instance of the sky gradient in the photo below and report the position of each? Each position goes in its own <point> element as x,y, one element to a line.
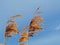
<point>50,12</point>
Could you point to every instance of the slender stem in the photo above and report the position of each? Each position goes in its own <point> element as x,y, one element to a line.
<point>4,40</point>
<point>27,42</point>
<point>18,43</point>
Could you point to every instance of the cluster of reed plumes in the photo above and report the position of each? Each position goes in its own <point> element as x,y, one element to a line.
<point>28,31</point>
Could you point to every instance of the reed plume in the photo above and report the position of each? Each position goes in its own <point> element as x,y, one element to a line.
<point>23,38</point>
<point>11,28</point>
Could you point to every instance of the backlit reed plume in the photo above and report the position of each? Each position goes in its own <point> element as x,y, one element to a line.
<point>35,23</point>
<point>23,38</point>
<point>11,28</point>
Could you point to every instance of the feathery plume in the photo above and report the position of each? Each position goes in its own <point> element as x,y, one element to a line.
<point>34,25</point>
<point>11,28</point>
<point>24,37</point>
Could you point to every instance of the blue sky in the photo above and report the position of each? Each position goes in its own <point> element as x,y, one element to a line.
<point>51,25</point>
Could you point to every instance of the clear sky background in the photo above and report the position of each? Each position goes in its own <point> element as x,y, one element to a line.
<point>51,24</point>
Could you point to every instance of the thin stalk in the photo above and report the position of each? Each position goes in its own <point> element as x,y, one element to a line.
<point>4,40</point>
